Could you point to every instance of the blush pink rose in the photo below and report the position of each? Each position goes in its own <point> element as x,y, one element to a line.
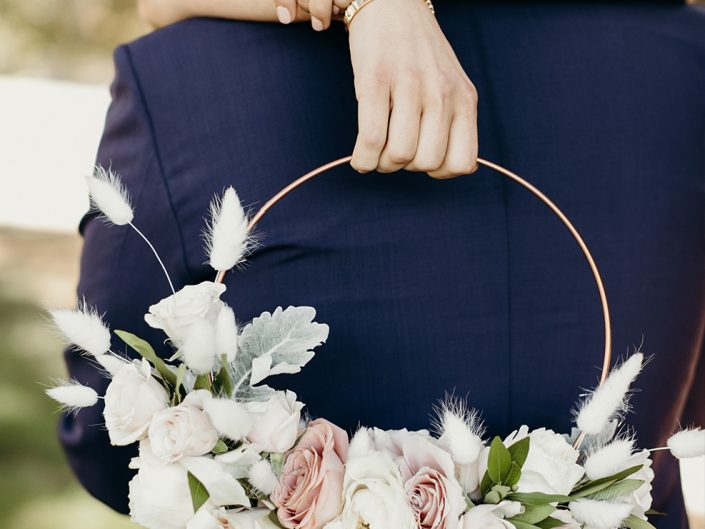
<point>435,496</point>
<point>309,493</point>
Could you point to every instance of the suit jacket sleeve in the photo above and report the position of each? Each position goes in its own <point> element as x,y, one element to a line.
<point>120,277</point>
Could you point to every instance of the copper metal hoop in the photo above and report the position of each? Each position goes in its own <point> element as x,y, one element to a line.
<point>512,176</point>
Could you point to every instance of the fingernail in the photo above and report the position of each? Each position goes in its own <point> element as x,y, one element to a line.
<point>284,15</point>
<point>336,10</point>
<point>317,24</point>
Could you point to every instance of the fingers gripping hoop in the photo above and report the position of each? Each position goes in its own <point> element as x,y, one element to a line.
<point>512,176</point>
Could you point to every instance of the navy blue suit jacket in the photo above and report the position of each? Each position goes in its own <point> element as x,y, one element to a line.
<point>466,286</point>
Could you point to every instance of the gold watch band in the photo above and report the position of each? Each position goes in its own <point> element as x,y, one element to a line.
<point>356,5</point>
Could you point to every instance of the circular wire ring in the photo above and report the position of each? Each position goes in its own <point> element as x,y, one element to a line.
<point>512,176</point>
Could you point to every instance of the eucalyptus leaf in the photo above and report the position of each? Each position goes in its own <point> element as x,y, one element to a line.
<point>538,498</point>
<point>220,447</point>
<point>199,494</point>
<point>534,513</point>
<point>616,490</point>
<point>634,522</point>
<point>523,525</point>
<point>550,523</point>
<point>147,352</point>
<point>514,475</point>
<point>520,451</point>
<point>499,461</point>
<point>591,487</point>
<point>223,382</point>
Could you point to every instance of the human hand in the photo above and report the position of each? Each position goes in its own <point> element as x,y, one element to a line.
<point>321,11</point>
<point>417,109</point>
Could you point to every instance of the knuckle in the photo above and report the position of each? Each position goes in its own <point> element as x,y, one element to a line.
<point>399,156</point>
<point>372,140</point>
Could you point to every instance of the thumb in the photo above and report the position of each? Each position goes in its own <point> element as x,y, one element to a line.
<point>286,10</point>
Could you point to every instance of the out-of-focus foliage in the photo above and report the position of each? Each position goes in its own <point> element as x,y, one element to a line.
<point>37,488</point>
<point>65,39</point>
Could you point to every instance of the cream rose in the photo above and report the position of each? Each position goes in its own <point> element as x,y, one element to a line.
<point>275,422</point>
<point>491,516</point>
<point>551,465</point>
<point>181,431</point>
<point>435,496</point>
<point>176,314</point>
<point>309,492</point>
<point>133,397</point>
<point>159,496</point>
<point>373,489</point>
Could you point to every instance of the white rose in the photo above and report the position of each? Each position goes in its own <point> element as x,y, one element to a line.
<point>551,465</point>
<point>491,516</point>
<point>640,499</point>
<point>159,496</point>
<point>275,422</point>
<point>181,431</point>
<point>176,314</point>
<point>131,400</point>
<point>373,489</point>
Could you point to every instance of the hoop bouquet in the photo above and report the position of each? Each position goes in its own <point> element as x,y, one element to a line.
<point>219,448</point>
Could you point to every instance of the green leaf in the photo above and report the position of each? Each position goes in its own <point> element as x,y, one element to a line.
<point>534,514</point>
<point>199,494</point>
<point>180,374</point>
<point>497,493</point>
<point>550,523</point>
<point>220,447</point>
<point>222,380</point>
<point>485,484</point>
<point>523,525</point>
<point>621,488</point>
<point>538,498</point>
<point>520,451</point>
<point>514,475</point>
<point>202,382</point>
<point>591,487</point>
<point>145,350</point>
<point>499,461</point>
<point>277,462</point>
<point>634,522</point>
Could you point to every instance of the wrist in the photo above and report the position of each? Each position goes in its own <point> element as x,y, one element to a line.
<point>357,5</point>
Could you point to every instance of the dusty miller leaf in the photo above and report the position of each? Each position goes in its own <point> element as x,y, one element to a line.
<point>280,342</point>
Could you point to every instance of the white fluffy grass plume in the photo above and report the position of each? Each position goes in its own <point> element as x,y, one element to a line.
<point>226,334</point>
<point>84,328</point>
<point>198,349</point>
<point>229,418</point>
<point>610,398</point>
<point>597,514</point>
<point>460,431</point>
<point>609,459</point>
<point>109,195</point>
<point>687,443</point>
<point>262,476</point>
<point>226,234</point>
<point>73,395</point>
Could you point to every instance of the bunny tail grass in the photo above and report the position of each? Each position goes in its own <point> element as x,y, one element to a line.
<point>610,398</point>
<point>109,196</point>
<point>73,395</point>
<point>226,235</point>
<point>687,443</point>
<point>84,328</point>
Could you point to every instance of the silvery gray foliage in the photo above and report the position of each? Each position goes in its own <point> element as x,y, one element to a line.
<point>280,342</point>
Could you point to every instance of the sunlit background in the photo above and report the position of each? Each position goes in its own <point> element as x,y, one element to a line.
<point>55,67</point>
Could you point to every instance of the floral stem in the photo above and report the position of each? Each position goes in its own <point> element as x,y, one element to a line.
<point>154,251</point>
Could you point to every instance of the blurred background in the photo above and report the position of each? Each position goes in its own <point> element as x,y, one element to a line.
<point>55,68</point>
